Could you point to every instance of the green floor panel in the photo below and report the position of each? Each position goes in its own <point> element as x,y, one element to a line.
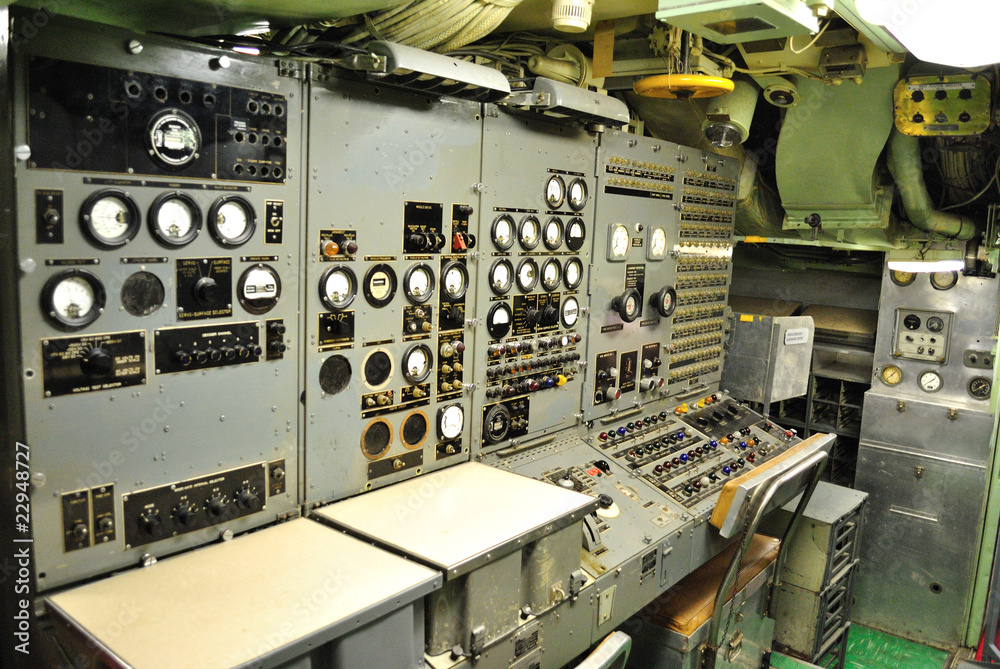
<point>871,649</point>
<point>779,661</point>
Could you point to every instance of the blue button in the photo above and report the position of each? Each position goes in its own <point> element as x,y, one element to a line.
<point>684,457</point>
<point>621,431</point>
<point>680,435</point>
<point>713,443</point>
<point>743,445</point>
<point>727,471</point>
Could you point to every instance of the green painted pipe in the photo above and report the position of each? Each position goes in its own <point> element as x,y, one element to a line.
<point>907,169</point>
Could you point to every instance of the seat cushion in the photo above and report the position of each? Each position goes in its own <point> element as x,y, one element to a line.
<point>689,604</point>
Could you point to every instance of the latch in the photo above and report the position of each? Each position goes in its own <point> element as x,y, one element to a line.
<point>477,641</point>
<point>576,582</point>
<point>735,646</point>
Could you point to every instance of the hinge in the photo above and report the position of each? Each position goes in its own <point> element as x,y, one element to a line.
<point>292,69</point>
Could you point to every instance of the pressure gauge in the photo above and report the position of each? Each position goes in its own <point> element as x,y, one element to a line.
<point>451,420</point>
<point>930,381</point>
<point>259,289</point>
<point>551,274</point>
<point>901,278</point>
<point>944,280</point>
<point>656,247</point>
<point>417,363</point>
<point>454,281</point>
<point>110,218</point>
<point>555,191</point>
<point>502,232</point>
<point>570,312</point>
<point>618,242</point>
<point>577,194</point>
<point>980,388</point>
<point>175,219</point>
<point>935,324</point>
<point>553,234</point>
<point>418,283</point>
<point>527,275</point>
<point>501,277</point>
<point>891,375</point>
<point>173,139</point>
<point>337,287</point>
<point>73,299</point>
<point>232,220</point>
<point>498,320</point>
<point>573,273</point>
<point>380,285</point>
<point>576,234</point>
<point>528,232</point>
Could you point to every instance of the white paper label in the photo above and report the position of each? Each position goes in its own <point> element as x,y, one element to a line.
<point>796,336</point>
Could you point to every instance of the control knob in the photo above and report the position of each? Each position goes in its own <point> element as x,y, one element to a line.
<point>628,305</point>
<point>97,362</point>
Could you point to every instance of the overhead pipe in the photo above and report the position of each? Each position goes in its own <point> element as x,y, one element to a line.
<point>906,167</point>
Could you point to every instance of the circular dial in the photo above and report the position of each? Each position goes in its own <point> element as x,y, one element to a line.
<point>498,320</point>
<point>502,232</point>
<point>528,232</point>
<point>417,363</point>
<point>891,375</point>
<point>175,219</point>
<point>577,194</point>
<point>901,278</point>
<point>377,368</point>
<point>628,305</point>
<point>110,218</point>
<point>376,438</point>
<point>930,382</point>
<point>570,312</point>
<point>337,287</point>
<point>527,275</point>
<point>451,420</point>
<point>501,277</point>
<point>334,374</point>
<point>576,233</point>
<point>911,322</point>
<point>664,301</point>
<point>555,191</point>
<point>551,274</point>
<point>573,273</point>
<point>142,293</point>
<point>413,431</point>
<point>935,324</point>
<point>73,299</point>
<point>657,243</point>
<point>232,220</point>
<point>619,241</point>
<point>496,424</point>
<point>944,280</point>
<point>980,388</point>
<point>173,139</point>
<point>259,289</point>
<point>418,283</point>
<point>553,233</point>
<point>380,285</point>
<point>454,280</point>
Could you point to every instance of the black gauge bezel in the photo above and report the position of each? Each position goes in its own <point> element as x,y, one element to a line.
<point>649,243</point>
<point>87,224</point>
<point>575,243</point>
<point>213,221</point>
<point>586,194</point>
<point>559,275</point>
<point>430,363</point>
<point>263,305</point>
<point>154,153</point>
<point>517,276</point>
<point>491,415</point>
<point>440,419</point>
<point>432,282</point>
<point>491,326</point>
<point>520,236</point>
<point>73,324</point>
<point>154,210</point>
<point>938,324</point>
<point>976,396</point>
<point>510,274</point>
<point>952,280</point>
<point>465,282</point>
<point>378,303</point>
<point>330,271</point>
<point>562,196</point>
<point>562,311</point>
<point>364,433</point>
<point>579,263</point>
<point>898,282</point>
<point>513,231</point>
<point>402,430</point>
<point>552,246</point>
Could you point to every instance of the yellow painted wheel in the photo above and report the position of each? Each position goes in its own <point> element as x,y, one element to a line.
<point>683,86</point>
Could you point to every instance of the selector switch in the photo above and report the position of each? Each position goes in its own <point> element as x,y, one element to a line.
<point>97,363</point>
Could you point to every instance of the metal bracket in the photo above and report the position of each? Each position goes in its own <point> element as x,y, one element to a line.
<point>293,69</point>
<point>477,641</point>
<point>576,581</point>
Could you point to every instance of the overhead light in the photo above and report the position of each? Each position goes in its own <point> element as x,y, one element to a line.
<point>958,33</point>
<point>572,16</point>
<point>932,266</point>
<point>935,257</point>
<point>251,50</point>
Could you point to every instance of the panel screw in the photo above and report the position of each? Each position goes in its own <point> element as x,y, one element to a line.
<point>22,152</point>
<point>135,47</point>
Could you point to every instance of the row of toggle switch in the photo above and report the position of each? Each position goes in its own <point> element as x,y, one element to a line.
<point>534,345</point>
<point>527,385</point>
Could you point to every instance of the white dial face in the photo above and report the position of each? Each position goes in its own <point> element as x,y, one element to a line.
<point>575,230</point>
<point>551,274</point>
<point>500,277</point>
<point>570,312</point>
<point>500,316</point>
<point>419,283</point>
<point>175,219</point>
<point>574,273</point>
<point>577,194</point>
<point>619,241</point>
<point>527,274</point>
<point>658,242</point>
<point>232,221</point>
<point>631,305</point>
<point>930,382</point>
<point>454,282</point>
<point>553,234</point>
<point>503,233</point>
<point>110,218</point>
<point>555,191</point>
<point>417,364</point>
<point>260,284</point>
<point>529,233</point>
<point>338,287</point>
<point>73,298</point>
<point>452,421</point>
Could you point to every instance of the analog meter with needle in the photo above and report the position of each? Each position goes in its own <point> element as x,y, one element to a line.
<point>337,287</point>
<point>577,194</point>
<point>110,218</point>
<point>576,234</point>
<point>417,362</point>
<point>450,421</point>
<point>527,275</point>
<point>555,191</point>
<point>930,381</point>
<point>454,281</point>
<point>498,320</point>
<point>418,283</point>
<point>528,232</point>
<point>891,375</point>
<point>175,219</point>
<point>656,248</point>
<point>553,233</point>
<point>502,232</point>
<point>73,299</point>
<point>232,220</point>
<point>501,277</point>
<point>573,273</point>
<point>618,242</point>
<point>551,274</point>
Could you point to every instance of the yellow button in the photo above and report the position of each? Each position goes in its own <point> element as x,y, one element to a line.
<point>561,380</point>
<point>701,403</point>
<point>684,408</point>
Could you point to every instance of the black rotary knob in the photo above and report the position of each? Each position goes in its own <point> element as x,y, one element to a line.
<point>228,353</point>
<point>97,362</point>
<point>533,317</point>
<point>550,315</point>
<point>214,354</point>
<point>207,291</point>
<point>184,514</point>
<point>248,499</point>
<point>664,301</point>
<point>216,505</point>
<point>628,305</point>
<point>183,358</point>
<point>150,521</point>
<point>605,501</point>
<point>199,356</point>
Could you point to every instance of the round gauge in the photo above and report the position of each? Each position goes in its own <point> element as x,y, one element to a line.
<point>337,287</point>
<point>527,275</point>
<point>496,424</point>
<point>980,388</point>
<point>380,285</point>
<point>377,368</point>
<point>553,233</point>
<point>664,301</point>
<point>891,375</point>
<point>175,219</point>
<point>73,299</point>
<point>413,431</point>
<point>110,218</point>
<point>570,312</point>
<point>502,232</point>
<point>577,194</point>
<point>901,278</point>
<point>498,320</point>
<point>576,233</point>
<point>657,243</point>
<point>451,420</point>
<point>911,322</point>
<point>528,232</point>
<point>259,289</point>
<point>551,274</point>
<point>618,242</point>
<point>501,277</point>
<point>944,280</point>
<point>454,280</point>
<point>334,374</point>
<point>935,324</point>
<point>173,139</point>
<point>930,382</point>
<point>417,363</point>
<point>555,191</point>
<point>376,438</point>
<point>573,273</point>
<point>232,220</point>
<point>142,294</point>
<point>418,283</point>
